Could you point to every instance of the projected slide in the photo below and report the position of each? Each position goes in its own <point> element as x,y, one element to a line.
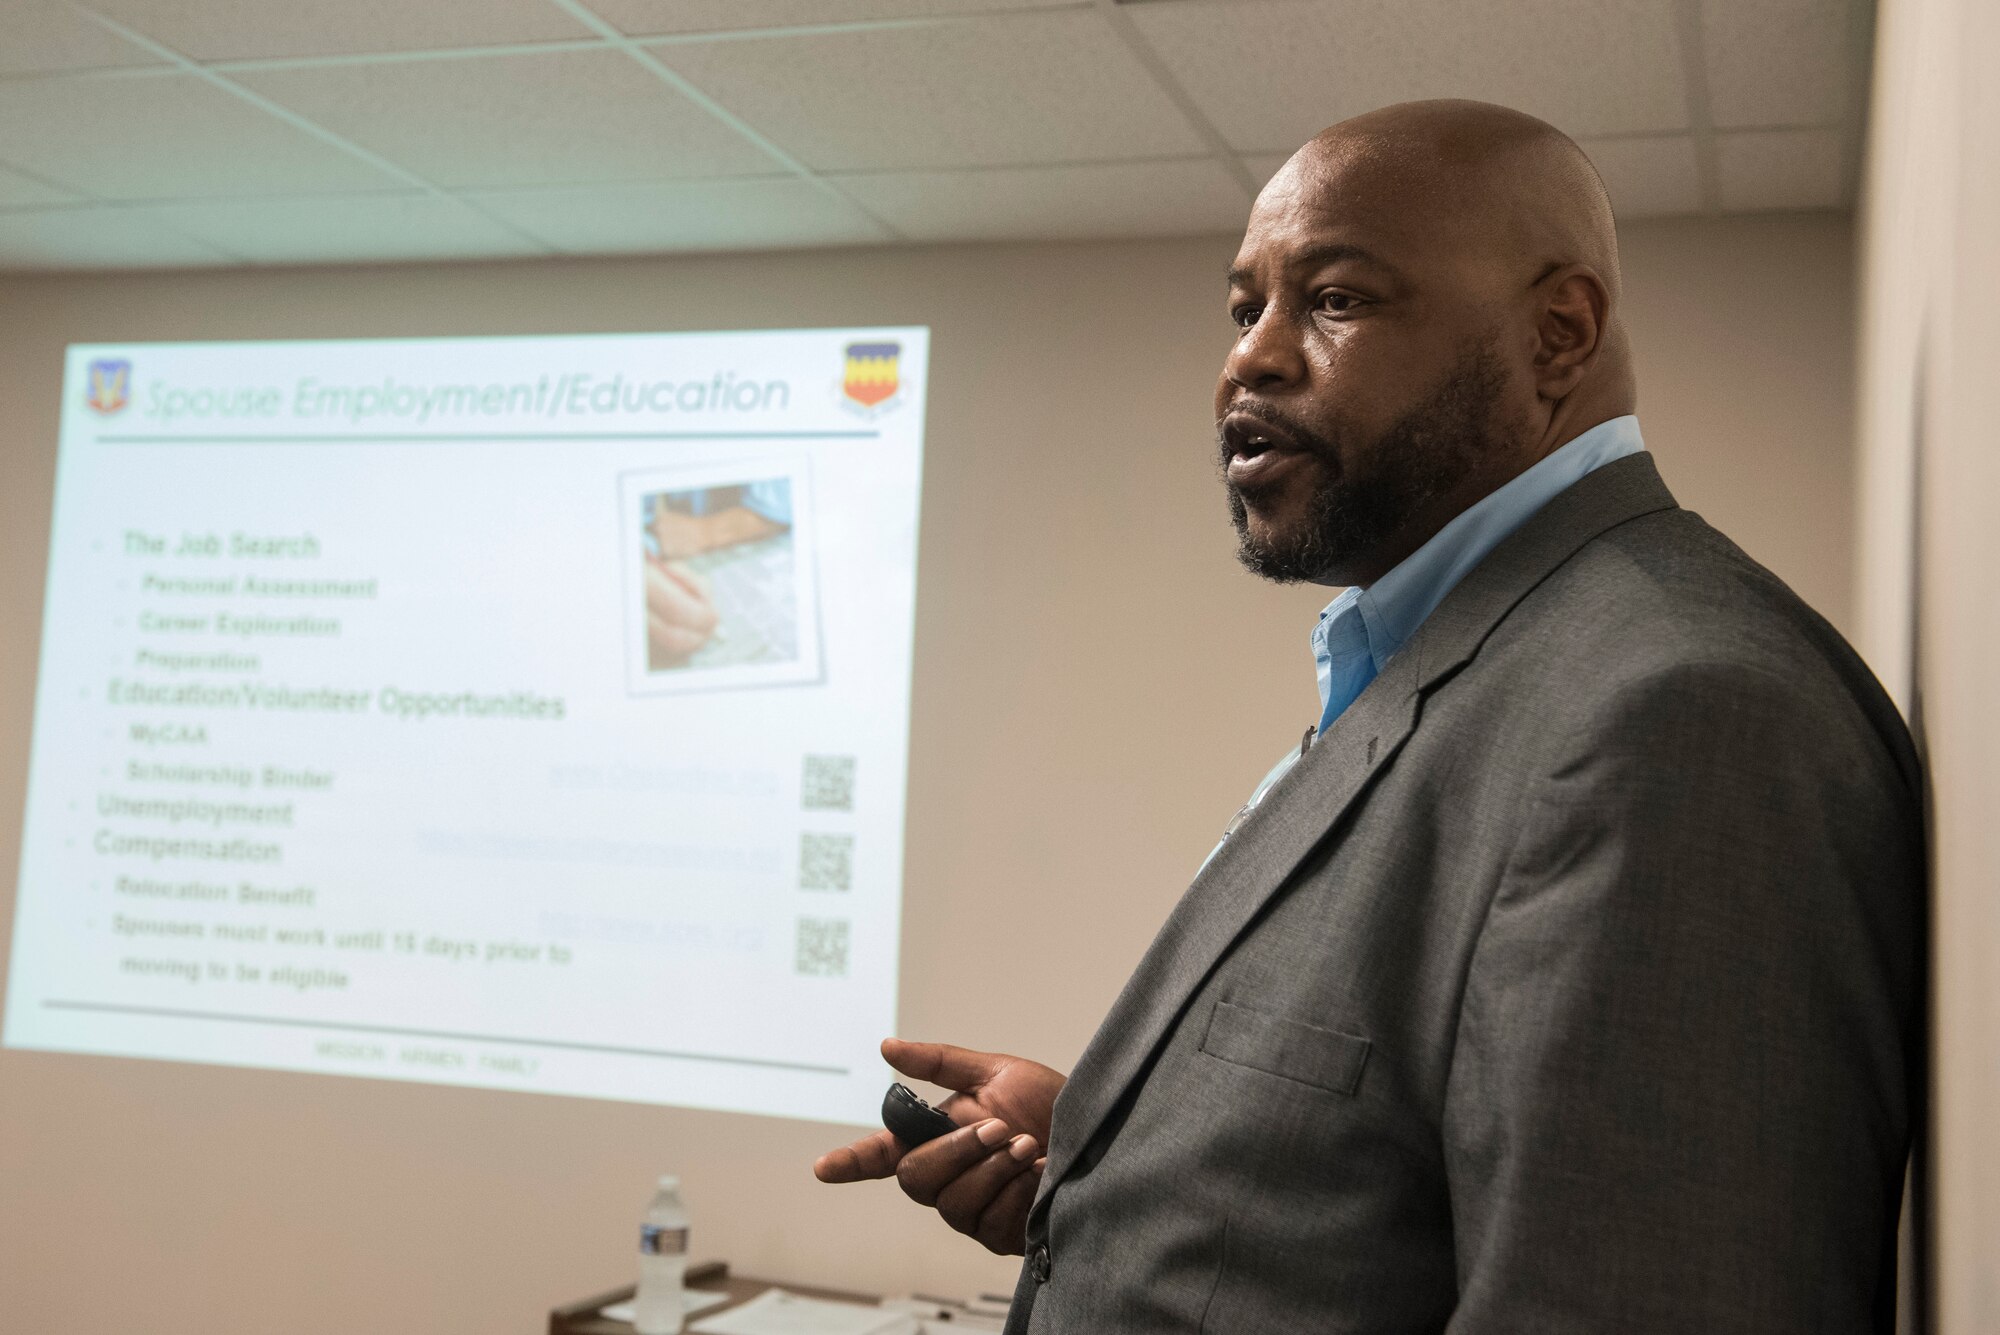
<point>516,712</point>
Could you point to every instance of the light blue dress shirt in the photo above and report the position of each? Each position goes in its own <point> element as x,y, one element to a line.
<point>1363,628</point>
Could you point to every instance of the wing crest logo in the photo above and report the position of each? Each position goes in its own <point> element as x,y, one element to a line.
<point>870,383</point>
<point>110,382</point>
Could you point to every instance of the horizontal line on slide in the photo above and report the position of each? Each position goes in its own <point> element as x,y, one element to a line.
<point>488,436</point>
<point>287,1022</point>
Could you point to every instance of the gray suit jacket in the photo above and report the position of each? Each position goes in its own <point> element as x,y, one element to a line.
<point>1568,984</point>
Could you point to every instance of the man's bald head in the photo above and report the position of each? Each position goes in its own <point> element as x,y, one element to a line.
<point>1506,180</point>
<point>1429,302</point>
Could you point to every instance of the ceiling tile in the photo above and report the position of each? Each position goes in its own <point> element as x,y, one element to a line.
<point>244,29</point>
<point>98,238</point>
<point>696,215</point>
<point>347,228</point>
<point>571,117</point>
<point>45,36</point>
<point>17,191</point>
<point>164,138</point>
<point>1776,62</point>
<point>985,92</point>
<point>1270,74</point>
<point>1648,178</point>
<point>1056,203</point>
<point>1780,169</point>
<point>647,17</point>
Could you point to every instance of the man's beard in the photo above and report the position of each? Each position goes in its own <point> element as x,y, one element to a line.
<point>1425,454</point>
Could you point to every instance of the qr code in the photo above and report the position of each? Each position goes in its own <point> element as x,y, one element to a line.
<point>822,948</point>
<point>826,861</point>
<point>829,783</point>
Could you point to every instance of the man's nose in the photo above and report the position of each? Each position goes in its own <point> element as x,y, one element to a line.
<point>1266,355</point>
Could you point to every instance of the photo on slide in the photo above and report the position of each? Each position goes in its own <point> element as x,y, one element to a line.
<point>720,566</point>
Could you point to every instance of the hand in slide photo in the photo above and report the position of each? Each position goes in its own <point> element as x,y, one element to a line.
<point>982,1177</point>
<point>680,613</point>
<point>680,534</point>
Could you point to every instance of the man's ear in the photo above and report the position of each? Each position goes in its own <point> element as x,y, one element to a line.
<point>1574,326</point>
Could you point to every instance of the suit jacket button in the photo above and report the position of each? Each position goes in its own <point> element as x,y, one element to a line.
<point>1038,1263</point>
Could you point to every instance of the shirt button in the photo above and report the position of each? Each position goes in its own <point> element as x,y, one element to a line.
<point>1038,1263</point>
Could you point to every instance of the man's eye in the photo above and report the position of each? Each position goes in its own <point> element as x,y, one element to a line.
<point>1245,316</point>
<point>1338,303</point>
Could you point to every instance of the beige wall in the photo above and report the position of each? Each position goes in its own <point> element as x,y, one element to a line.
<point>1097,686</point>
<point>1930,571</point>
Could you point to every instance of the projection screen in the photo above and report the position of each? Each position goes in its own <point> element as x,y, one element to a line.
<point>515,712</point>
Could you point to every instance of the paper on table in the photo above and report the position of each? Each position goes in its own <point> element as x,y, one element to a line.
<point>935,1317</point>
<point>692,1300</point>
<point>775,1312</point>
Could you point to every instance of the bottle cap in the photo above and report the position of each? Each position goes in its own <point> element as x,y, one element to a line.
<point>669,1182</point>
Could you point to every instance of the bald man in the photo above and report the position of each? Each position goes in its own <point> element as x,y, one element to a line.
<point>1564,978</point>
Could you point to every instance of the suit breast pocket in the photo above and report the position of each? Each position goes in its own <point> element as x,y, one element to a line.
<point>1326,1059</point>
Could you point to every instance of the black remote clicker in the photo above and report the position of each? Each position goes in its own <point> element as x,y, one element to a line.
<point>911,1120</point>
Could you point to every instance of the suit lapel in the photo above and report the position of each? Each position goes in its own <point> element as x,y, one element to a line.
<point>1241,878</point>
<point>1308,804</point>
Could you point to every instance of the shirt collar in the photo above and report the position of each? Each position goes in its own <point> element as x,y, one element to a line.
<point>1391,609</point>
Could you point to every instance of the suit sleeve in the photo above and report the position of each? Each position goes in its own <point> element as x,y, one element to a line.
<point>1678,1098</point>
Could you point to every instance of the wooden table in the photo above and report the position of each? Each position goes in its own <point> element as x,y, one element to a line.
<point>586,1317</point>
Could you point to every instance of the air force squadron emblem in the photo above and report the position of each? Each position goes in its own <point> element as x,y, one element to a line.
<point>110,386</point>
<point>871,379</point>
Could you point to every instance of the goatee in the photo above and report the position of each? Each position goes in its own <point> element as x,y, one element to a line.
<point>1425,454</point>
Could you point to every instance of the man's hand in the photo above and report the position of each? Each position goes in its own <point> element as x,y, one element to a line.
<point>678,535</point>
<point>680,615</point>
<point>982,1177</point>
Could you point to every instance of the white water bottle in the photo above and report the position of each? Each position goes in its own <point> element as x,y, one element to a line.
<point>663,1248</point>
